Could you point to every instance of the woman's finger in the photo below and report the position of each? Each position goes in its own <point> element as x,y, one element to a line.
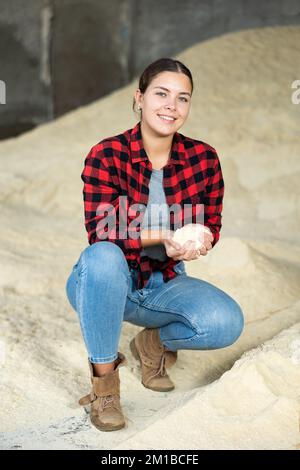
<point>175,245</point>
<point>171,244</point>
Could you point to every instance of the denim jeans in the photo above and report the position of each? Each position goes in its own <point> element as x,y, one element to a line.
<point>190,313</point>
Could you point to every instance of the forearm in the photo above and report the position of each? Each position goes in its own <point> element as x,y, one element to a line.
<point>152,237</point>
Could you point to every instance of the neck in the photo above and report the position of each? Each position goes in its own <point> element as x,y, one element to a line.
<point>155,146</point>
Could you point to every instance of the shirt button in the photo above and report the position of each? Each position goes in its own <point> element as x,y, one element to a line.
<point>133,264</point>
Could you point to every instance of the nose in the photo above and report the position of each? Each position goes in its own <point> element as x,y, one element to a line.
<point>170,106</point>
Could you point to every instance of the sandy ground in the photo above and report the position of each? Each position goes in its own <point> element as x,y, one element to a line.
<point>246,396</point>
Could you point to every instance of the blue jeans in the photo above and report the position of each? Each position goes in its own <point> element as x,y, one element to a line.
<point>190,313</point>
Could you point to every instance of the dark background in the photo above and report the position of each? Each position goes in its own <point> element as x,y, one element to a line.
<point>56,55</point>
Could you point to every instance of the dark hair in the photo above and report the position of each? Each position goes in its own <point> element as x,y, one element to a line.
<point>161,65</point>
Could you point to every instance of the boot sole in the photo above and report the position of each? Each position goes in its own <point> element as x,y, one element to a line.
<point>104,427</point>
<point>136,355</point>
<point>108,428</point>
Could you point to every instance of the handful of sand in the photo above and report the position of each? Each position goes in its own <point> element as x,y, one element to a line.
<point>194,232</point>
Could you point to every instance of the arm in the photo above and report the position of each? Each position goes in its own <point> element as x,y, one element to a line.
<point>152,237</point>
<point>213,200</point>
<point>101,200</point>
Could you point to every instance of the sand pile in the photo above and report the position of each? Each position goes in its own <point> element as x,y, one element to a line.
<point>243,396</point>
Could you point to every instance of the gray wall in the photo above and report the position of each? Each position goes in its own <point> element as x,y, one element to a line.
<point>24,65</point>
<point>56,55</point>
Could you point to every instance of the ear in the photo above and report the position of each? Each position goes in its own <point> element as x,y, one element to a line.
<point>138,96</point>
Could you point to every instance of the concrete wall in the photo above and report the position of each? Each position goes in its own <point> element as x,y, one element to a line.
<point>24,65</point>
<point>56,55</point>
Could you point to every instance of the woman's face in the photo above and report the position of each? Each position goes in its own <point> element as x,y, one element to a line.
<point>169,94</point>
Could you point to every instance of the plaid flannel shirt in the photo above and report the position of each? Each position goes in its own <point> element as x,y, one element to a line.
<point>116,176</point>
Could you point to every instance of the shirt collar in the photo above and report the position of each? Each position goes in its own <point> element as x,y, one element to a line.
<point>138,153</point>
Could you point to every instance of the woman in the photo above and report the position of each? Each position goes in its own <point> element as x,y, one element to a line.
<point>135,272</point>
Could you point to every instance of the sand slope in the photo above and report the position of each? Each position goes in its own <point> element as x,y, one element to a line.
<point>244,396</point>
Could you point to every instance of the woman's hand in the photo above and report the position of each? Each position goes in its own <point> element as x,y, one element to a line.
<point>188,251</point>
<point>206,240</point>
<point>174,250</point>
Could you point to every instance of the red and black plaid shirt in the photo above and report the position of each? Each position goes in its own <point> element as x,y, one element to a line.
<point>119,166</point>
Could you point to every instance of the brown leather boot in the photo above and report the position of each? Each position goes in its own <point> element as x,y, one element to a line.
<point>149,350</point>
<point>106,412</point>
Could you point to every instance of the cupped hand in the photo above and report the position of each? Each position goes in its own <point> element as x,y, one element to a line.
<point>206,239</point>
<point>186,252</point>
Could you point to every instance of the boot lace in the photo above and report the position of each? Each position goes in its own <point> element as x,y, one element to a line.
<point>161,370</point>
<point>108,402</point>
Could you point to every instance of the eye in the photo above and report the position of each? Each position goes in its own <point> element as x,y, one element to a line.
<point>182,97</point>
<point>185,100</point>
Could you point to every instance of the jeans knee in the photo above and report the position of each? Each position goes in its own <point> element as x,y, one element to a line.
<point>236,321</point>
<point>71,290</point>
<point>222,325</point>
<point>232,324</point>
<point>102,257</point>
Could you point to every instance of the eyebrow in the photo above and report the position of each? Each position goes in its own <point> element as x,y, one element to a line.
<point>181,93</point>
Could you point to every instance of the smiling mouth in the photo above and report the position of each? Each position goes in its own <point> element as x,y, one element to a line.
<point>167,119</point>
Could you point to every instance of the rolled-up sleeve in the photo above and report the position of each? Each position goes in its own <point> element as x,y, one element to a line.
<point>213,199</point>
<point>102,205</point>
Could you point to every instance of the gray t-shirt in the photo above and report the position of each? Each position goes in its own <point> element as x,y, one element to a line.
<point>156,214</point>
